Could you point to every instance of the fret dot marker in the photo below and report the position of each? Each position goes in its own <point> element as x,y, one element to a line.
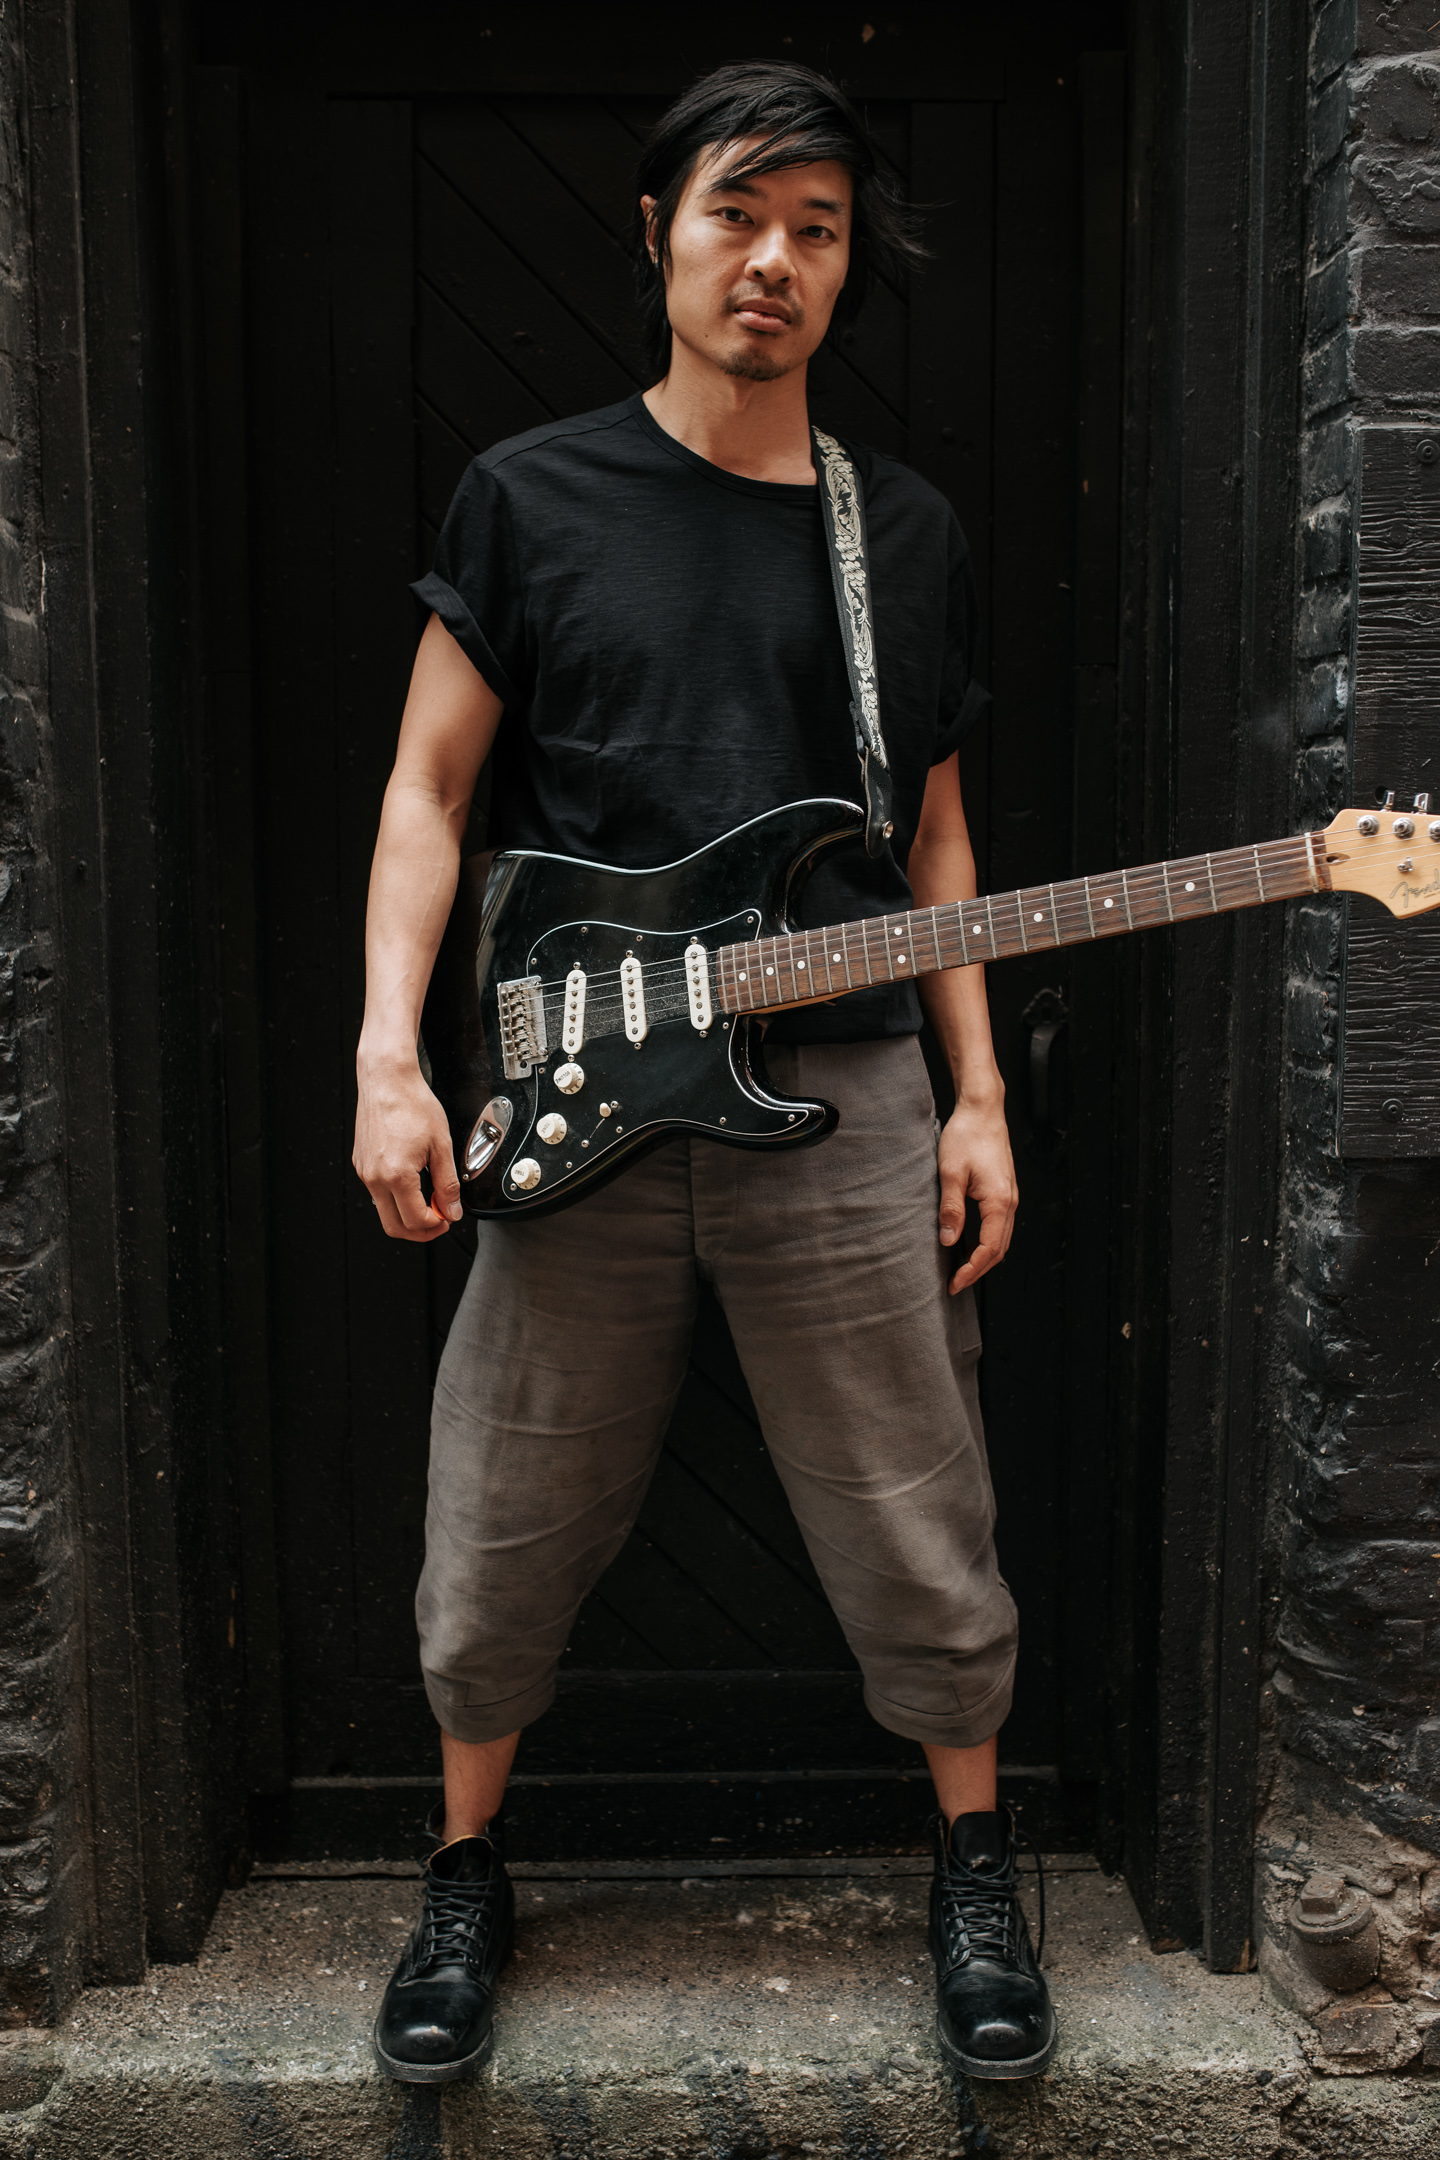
<point>769,971</point>
<point>901,958</point>
<point>836,958</point>
<point>801,965</point>
<point>742,978</point>
<point>1189,885</point>
<point>1038,916</point>
<point>975,927</point>
<point>1109,903</point>
<point>897,933</point>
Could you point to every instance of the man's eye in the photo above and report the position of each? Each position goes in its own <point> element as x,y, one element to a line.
<point>736,217</point>
<point>817,232</point>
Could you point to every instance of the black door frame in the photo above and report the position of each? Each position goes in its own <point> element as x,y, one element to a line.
<point>1212,305</point>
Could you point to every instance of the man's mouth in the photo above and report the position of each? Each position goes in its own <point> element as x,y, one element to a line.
<point>761,314</point>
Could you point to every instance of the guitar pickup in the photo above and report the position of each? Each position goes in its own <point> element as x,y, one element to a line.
<point>697,986</point>
<point>572,1034</point>
<point>632,999</point>
<point>523,1041</point>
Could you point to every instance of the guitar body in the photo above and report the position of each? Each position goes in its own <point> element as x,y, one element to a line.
<point>514,939</point>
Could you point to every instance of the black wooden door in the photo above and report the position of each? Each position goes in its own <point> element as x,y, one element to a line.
<point>425,273</point>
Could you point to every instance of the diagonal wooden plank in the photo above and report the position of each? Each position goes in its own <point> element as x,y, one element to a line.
<point>503,301</point>
<point>662,1604</point>
<point>747,1582</point>
<point>479,395</point>
<point>602,1642</point>
<point>587,147</point>
<point>564,243</point>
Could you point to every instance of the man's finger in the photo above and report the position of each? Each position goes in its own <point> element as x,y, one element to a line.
<point>996,1221</point>
<point>417,1217</point>
<point>444,1184</point>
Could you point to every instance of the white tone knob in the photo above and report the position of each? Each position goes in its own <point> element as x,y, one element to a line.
<point>697,985</point>
<point>632,997</point>
<point>569,1079</point>
<point>572,1033</point>
<point>552,1128</point>
<point>525,1173</point>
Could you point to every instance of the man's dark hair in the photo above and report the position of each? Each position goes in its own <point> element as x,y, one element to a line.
<point>801,118</point>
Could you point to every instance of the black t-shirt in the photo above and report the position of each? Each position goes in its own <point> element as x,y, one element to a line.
<point>664,636</point>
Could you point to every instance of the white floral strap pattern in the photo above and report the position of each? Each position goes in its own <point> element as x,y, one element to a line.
<point>850,569</point>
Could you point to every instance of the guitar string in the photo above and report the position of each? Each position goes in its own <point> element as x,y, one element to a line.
<point>1228,874</point>
<point>1235,878</point>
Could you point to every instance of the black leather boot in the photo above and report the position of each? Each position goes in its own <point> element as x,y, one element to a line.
<point>995,2018</point>
<point>436,2019</point>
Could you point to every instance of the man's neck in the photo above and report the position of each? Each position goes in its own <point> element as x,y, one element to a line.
<point>760,430</point>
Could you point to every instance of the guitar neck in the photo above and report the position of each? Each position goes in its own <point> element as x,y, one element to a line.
<point>807,964</point>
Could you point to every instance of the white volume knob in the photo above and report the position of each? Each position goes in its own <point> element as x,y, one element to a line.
<point>525,1173</point>
<point>569,1079</point>
<point>552,1129</point>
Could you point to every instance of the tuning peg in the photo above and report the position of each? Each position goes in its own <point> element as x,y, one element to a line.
<point>1422,804</point>
<point>1385,798</point>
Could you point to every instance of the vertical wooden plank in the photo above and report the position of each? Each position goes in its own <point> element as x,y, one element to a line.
<point>308,1098</point>
<point>226,542</point>
<point>372,286</point>
<point>1088,1745</point>
<point>1391,1104</point>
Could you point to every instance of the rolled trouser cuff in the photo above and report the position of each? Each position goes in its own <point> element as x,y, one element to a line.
<point>947,1728</point>
<point>473,1722</point>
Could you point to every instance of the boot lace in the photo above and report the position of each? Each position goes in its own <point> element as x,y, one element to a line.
<point>454,1923</point>
<point>981,1912</point>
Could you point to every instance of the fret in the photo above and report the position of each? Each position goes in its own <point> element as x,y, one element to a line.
<point>990,924</point>
<point>935,936</point>
<point>1089,910</point>
<point>796,989</point>
<point>1210,874</point>
<point>829,985</point>
<point>1259,873</point>
<point>1054,916</point>
<point>1165,882</point>
<point>966,931</point>
<point>887,948</point>
<point>1020,919</point>
<point>865,950</point>
<point>1125,896</point>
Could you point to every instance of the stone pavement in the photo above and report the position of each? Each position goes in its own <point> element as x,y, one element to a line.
<point>731,2012</point>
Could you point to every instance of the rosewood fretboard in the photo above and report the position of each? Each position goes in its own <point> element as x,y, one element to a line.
<point>888,948</point>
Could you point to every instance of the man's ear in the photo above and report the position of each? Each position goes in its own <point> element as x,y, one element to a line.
<point>648,206</point>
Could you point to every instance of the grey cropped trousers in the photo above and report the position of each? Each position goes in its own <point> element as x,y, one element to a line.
<point>568,1351</point>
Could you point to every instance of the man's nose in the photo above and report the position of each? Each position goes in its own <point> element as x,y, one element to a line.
<point>770,258</point>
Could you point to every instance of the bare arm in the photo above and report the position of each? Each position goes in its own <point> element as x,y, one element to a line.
<point>450,719</point>
<point>975,1153</point>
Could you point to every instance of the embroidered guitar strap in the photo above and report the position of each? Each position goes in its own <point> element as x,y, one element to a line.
<point>843,507</point>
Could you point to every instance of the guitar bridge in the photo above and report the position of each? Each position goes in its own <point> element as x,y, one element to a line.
<point>523,1041</point>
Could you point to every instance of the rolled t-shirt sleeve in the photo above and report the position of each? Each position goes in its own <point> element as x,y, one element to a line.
<point>476,587</point>
<point>963,701</point>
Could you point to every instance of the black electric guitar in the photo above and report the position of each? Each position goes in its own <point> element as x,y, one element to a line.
<point>580,1015</point>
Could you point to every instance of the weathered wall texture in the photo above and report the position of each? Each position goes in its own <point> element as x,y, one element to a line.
<point>40,1893</point>
<point>1355,1689</point>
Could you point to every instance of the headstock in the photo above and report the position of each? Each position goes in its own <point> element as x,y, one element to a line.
<point>1391,854</point>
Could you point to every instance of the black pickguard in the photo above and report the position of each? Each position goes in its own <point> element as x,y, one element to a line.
<point>542,915</point>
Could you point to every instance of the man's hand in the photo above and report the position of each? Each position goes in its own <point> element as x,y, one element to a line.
<point>400,1130</point>
<point>975,1162</point>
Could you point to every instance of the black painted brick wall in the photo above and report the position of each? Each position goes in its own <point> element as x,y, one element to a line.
<point>1356,1599</point>
<point>41,1889</point>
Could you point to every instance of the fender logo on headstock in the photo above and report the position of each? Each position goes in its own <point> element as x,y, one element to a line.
<point>1389,853</point>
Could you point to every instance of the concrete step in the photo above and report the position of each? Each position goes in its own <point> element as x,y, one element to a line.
<point>716,2012</point>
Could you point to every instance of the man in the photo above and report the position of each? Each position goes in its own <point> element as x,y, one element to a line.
<point>634,608</point>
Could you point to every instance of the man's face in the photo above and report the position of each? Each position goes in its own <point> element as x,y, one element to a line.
<point>756,264</point>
